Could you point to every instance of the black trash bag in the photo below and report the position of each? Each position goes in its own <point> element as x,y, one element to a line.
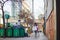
<point>26,34</point>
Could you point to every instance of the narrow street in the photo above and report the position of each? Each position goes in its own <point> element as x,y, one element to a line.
<point>40,36</point>
<point>19,19</point>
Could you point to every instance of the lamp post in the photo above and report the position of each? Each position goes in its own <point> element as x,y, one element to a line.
<point>44,28</point>
<point>33,9</point>
<point>2,2</point>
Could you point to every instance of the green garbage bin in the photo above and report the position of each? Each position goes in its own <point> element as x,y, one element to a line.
<point>16,32</point>
<point>22,32</point>
<point>9,32</point>
<point>2,32</point>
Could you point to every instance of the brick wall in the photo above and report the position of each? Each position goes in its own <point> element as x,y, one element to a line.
<point>50,26</point>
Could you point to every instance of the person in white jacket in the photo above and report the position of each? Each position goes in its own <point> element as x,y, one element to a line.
<point>35,29</point>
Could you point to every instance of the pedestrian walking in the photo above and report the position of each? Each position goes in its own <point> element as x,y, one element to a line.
<point>35,29</point>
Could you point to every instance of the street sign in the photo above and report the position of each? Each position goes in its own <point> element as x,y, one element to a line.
<point>7,16</point>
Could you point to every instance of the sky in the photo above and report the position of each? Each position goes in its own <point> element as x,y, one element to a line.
<point>7,7</point>
<point>38,7</point>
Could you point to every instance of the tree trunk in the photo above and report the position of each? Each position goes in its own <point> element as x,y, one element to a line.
<point>3,17</point>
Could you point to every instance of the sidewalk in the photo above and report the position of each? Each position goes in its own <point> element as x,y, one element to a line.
<point>39,37</point>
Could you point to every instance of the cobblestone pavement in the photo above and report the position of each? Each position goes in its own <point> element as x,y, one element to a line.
<point>40,36</point>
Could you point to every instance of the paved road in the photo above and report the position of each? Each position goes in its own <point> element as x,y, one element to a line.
<point>39,37</point>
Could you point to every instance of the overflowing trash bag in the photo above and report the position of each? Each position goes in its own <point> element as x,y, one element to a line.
<point>9,25</point>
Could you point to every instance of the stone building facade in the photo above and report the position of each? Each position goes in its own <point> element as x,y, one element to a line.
<point>50,26</point>
<point>50,19</point>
